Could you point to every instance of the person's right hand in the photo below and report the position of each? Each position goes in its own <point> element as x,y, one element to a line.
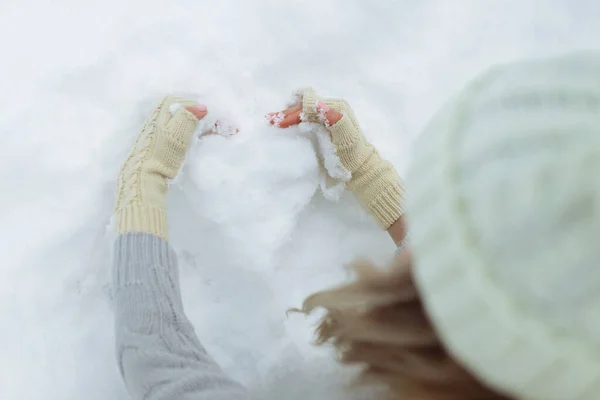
<point>374,181</point>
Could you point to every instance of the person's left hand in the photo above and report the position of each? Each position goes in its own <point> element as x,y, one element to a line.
<point>374,180</point>
<point>156,156</point>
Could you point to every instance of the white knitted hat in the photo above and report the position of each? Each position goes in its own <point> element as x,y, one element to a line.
<point>504,211</point>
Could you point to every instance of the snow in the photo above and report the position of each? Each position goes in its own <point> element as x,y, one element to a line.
<point>77,80</point>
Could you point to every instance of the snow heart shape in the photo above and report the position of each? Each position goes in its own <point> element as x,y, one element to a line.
<point>255,184</point>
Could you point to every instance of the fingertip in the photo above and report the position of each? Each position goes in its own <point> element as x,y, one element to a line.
<point>276,118</point>
<point>270,117</point>
<point>321,106</point>
<point>292,119</point>
<point>333,116</point>
<point>198,111</point>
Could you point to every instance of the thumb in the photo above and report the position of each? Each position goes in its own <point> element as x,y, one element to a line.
<point>199,111</point>
<point>184,121</point>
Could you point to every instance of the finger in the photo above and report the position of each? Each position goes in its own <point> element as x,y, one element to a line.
<point>292,110</point>
<point>272,115</point>
<point>292,119</point>
<point>328,115</point>
<point>199,111</point>
<point>333,117</point>
<point>275,118</point>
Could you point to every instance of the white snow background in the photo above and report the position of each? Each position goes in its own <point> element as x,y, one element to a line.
<point>78,78</point>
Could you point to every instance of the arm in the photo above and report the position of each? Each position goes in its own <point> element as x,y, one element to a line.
<point>158,353</point>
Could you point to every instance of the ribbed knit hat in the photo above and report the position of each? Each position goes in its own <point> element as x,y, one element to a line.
<point>504,210</point>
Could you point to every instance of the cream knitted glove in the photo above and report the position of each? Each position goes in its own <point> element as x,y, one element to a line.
<point>374,181</point>
<point>156,156</point>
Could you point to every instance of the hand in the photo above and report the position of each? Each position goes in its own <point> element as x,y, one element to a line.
<point>293,115</point>
<point>156,156</point>
<point>374,180</point>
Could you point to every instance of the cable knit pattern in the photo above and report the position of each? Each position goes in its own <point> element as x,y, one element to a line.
<point>156,157</point>
<point>504,215</point>
<point>158,352</point>
<point>374,181</point>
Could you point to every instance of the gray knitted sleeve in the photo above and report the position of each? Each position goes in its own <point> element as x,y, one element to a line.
<point>158,353</point>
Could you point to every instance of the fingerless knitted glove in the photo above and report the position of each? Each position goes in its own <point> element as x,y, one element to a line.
<point>156,156</point>
<point>374,181</point>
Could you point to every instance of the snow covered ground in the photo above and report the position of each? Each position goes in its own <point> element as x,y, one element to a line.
<point>77,79</point>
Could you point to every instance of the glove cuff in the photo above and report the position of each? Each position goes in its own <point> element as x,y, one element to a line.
<point>142,218</point>
<point>388,206</point>
<point>380,190</point>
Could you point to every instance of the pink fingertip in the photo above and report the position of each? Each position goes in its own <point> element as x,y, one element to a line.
<point>321,106</point>
<point>201,107</point>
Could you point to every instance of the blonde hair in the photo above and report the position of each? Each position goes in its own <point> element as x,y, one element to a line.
<point>378,321</point>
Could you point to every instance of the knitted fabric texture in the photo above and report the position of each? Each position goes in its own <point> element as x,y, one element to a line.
<point>504,215</point>
<point>374,181</point>
<point>156,156</point>
<point>158,353</point>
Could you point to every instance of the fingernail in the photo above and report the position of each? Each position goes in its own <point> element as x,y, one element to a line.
<point>322,106</point>
<point>201,107</point>
<point>277,118</point>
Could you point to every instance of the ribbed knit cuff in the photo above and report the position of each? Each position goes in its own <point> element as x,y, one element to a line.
<point>142,218</point>
<point>388,206</point>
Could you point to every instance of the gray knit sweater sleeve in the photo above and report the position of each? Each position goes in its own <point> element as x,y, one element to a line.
<point>159,355</point>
